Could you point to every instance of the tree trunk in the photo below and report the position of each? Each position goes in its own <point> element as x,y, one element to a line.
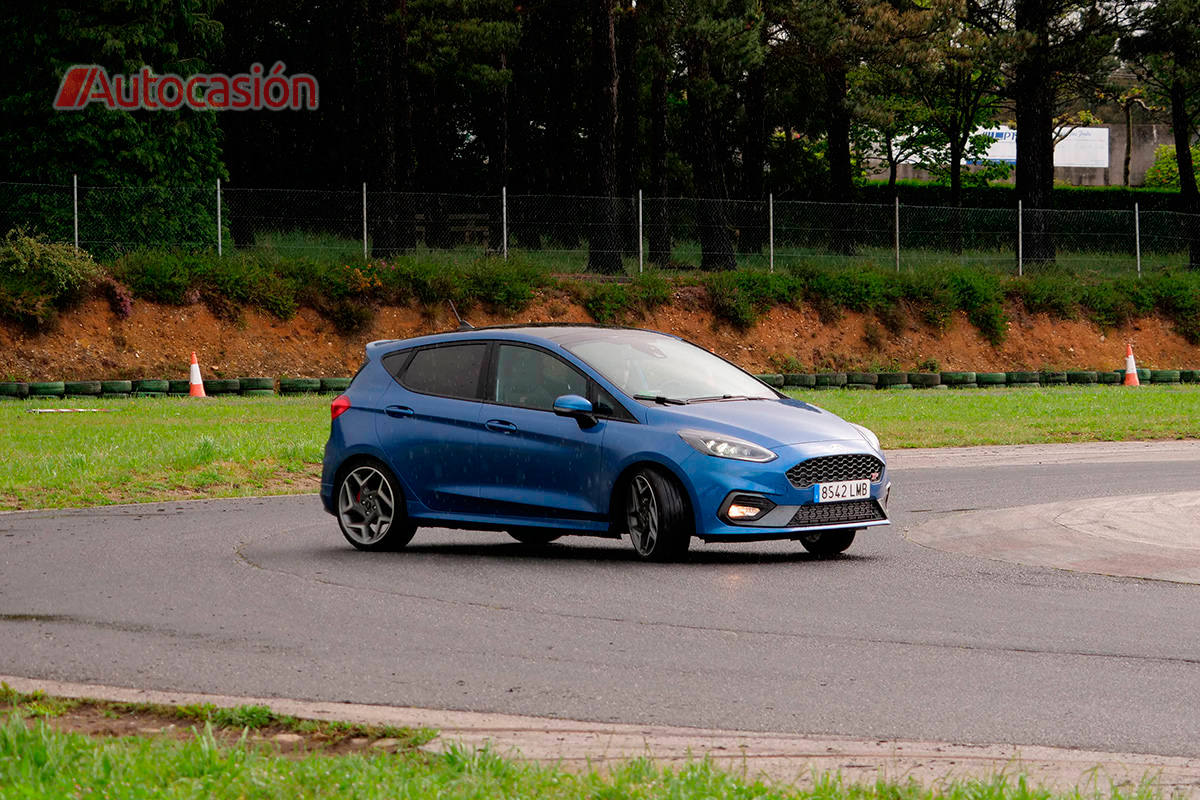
<point>1128,143</point>
<point>841,181</point>
<point>1034,99</point>
<point>393,228</point>
<point>604,243</point>
<point>957,147</point>
<point>658,219</point>
<point>1189,196</point>
<point>754,155</point>
<point>627,123</point>
<point>716,236</point>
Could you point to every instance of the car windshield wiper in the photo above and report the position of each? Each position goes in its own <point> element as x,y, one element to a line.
<point>658,398</point>
<point>719,397</point>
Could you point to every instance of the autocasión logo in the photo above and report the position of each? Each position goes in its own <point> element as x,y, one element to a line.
<point>256,90</point>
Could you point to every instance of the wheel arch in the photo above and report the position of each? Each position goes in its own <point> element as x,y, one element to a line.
<point>616,507</point>
<point>368,456</point>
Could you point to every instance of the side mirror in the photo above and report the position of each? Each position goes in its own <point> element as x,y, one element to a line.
<point>572,405</point>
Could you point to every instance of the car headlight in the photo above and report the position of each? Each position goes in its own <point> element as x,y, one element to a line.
<point>723,446</point>
<point>869,435</point>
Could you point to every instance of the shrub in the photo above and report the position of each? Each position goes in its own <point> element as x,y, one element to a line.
<point>1164,172</point>
<point>160,276</point>
<point>617,302</point>
<point>979,294</point>
<point>728,302</point>
<point>1178,297</point>
<point>607,302</point>
<point>39,278</point>
<point>1052,294</point>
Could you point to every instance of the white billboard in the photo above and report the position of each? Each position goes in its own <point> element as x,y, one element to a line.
<point>1082,147</point>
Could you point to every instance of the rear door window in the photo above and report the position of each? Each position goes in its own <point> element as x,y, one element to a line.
<point>451,371</point>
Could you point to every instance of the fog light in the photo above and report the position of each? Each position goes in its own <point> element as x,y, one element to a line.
<point>744,512</point>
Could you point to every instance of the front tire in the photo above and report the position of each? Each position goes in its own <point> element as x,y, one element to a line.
<point>829,543</point>
<point>370,509</point>
<point>656,516</point>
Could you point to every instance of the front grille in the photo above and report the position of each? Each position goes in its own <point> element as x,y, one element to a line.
<point>828,469</point>
<point>848,513</point>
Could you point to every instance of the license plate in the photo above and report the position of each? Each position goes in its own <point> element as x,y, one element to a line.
<point>841,490</point>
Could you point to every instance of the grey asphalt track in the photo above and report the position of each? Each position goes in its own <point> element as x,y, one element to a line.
<point>894,640</point>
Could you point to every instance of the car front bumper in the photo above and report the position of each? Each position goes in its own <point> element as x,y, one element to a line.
<point>791,510</point>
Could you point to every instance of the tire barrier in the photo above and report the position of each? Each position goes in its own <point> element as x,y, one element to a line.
<point>82,389</point>
<point>270,387</point>
<point>217,386</point>
<point>47,389</point>
<point>299,385</point>
<point>256,385</point>
<point>829,380</point>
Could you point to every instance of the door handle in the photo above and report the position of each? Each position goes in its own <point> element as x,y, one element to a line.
<point>399,411</point>
<point>500,426</point>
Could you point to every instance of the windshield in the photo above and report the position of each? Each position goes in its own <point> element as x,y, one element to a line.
<point>653,367</point>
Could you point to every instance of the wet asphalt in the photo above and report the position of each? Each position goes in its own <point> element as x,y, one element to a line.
<point>893,640</point>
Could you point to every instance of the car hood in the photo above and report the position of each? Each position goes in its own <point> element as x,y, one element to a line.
<point>766,422</point>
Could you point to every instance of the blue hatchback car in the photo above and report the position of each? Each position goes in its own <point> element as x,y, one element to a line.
<point>546,430</point>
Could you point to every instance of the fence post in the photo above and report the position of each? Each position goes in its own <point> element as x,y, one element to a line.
<point>504,220</point>
<point>364,221</point>
<point>1020,240</point>
<point>219,243</point>
<point>771,232</point>
<point>896,234</point>
<point>1137,237</point>
<point>641,243</point>
<point>75,207</point>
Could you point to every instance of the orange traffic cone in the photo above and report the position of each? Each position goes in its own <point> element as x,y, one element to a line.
<point>196,386</point>
<point>1131,378</point>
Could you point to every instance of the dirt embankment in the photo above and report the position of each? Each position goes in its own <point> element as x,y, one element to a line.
<point>156,341</point>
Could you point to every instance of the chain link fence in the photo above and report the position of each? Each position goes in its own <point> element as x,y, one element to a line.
<point>599,234</point>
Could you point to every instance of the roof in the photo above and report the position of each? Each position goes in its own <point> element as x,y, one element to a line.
<point>560,333</point>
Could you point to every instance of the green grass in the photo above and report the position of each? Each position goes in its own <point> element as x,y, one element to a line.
<point>156,449</point>
<point>37,761</point>
<point>244,717</point>
<point>926,418</point>
<point>177,448</point>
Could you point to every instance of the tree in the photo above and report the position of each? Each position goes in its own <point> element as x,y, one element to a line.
<point>1062,52</point>
<point>604,244</point>
<point>719,42</point>
<point>105,147</point>
<point>1164,50</point>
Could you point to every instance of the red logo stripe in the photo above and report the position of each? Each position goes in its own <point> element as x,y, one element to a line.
<point>70,92</point>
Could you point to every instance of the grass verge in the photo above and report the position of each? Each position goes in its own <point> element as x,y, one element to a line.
<point>925,418</point>
<point>140,450</point>
<point>176,448</point>
<point>39,760</point>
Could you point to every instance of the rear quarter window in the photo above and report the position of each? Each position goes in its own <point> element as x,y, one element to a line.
<point>450,371</point>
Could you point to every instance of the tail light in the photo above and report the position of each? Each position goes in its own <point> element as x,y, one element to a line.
<point>339,406</point>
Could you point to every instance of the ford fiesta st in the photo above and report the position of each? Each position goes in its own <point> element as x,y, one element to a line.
<point>547,430</point>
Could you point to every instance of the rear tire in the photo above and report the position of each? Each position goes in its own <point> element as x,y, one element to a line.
<point>533,537</point>
<point>656,516</point>
<point>370,508</point>
<point>829,543</point>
